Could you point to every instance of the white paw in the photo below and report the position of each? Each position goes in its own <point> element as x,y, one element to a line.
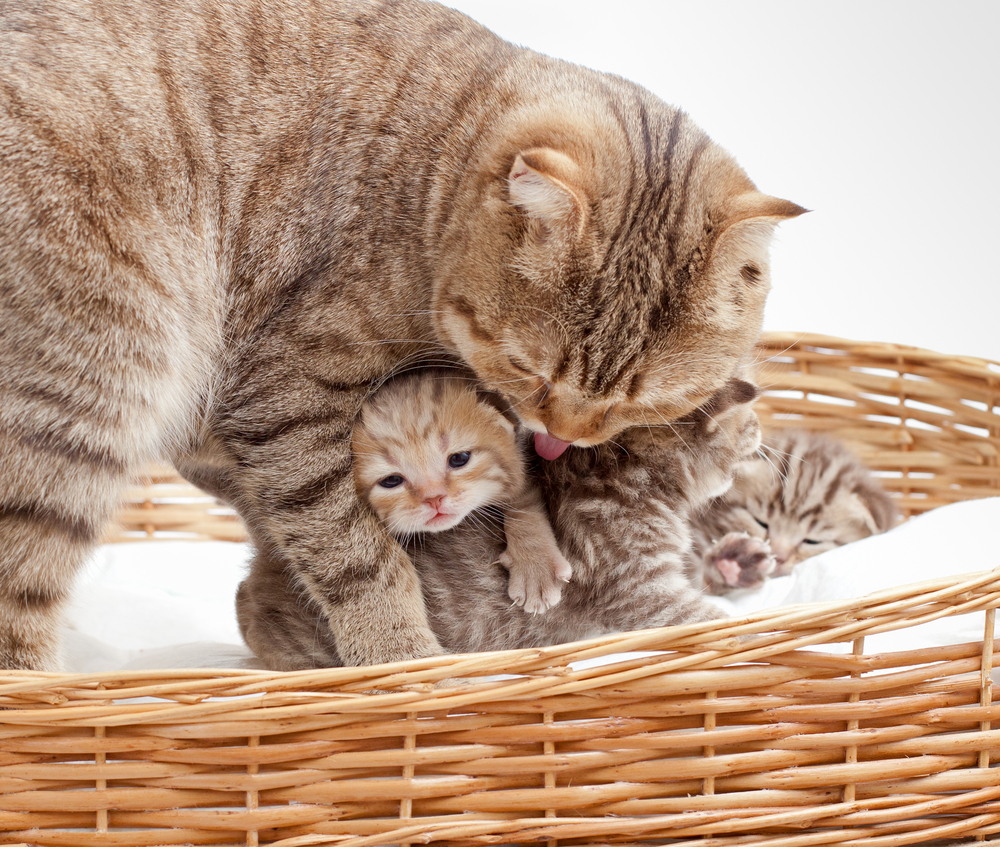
<point>537,587</point>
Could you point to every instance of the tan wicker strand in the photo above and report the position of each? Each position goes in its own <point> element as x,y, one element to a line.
<point>737,732</point>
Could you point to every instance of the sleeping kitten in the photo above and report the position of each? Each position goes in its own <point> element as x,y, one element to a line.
<point>429,450</point>
<point>621,515</point>
<point>804,493</point>
<point>222,224</point>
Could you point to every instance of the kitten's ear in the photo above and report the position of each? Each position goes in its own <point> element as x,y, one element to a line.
<point>541,183</point>
<point>880,510</point>
<point>736,392</point>
<point>499,403</point>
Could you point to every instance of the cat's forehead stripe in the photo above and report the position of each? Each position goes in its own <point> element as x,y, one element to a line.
<point>652,198</point>
<point>835,484</point>
<point>467,311</point>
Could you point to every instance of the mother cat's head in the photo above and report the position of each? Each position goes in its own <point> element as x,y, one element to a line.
<point>606,266</point>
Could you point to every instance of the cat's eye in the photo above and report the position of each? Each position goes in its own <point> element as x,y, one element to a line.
<point>391,481</point>
<point>810,541</point>
<point>459,460</point>
<point>764,525</point>
<point>519,367</point>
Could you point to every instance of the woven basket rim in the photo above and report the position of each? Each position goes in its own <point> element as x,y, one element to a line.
<point>722,637</point>
<point>880,349</point>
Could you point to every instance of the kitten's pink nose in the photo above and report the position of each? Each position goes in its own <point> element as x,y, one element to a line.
<point>435,502</point>
<point>779,549</point>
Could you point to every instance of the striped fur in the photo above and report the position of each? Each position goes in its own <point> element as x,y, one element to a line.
<point>621,515</point>
<point>223,224</point>
<point>803,494</point>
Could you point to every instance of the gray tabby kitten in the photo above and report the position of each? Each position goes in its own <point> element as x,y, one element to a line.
<point>802,494</point>
<point>621,515</point>
<point>222,224</point>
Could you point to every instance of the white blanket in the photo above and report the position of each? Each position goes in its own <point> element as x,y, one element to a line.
<point>169,604</point>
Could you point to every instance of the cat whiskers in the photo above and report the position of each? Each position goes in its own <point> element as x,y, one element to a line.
<point>758,359</point>
<point>664,424</point>
<point>477,518</point>
<point>614,443</point>
<point>781,472</point>
<point>520,402</point>
<point>418,362</point>
<point>556,320</point>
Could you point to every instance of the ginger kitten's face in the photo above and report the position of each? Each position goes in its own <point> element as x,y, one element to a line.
<point>428,451</point>
<point>625,299</point>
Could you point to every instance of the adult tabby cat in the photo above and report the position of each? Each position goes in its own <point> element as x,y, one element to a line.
<point>621,513</point>
<point>223,224</point>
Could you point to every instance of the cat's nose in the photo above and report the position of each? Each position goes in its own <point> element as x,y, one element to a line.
<point>782,559</point>
<point>435,502</point>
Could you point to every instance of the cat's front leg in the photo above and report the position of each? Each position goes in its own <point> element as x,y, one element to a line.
<point>538,570</point>
<point>290,434</point>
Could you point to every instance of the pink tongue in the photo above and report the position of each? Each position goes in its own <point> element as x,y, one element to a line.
<point>548,447</point>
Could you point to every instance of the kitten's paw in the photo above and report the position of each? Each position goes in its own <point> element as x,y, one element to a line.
<point>738,560</point>
<point>739,432</point>
<point>536,587</point>
<point>718,443</point>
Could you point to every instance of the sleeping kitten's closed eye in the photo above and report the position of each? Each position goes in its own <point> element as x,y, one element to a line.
<point>804,494</point>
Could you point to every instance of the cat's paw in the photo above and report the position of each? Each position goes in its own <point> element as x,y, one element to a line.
<point>717,438</point>
<point>738,431</point>
<point>738,560</point>
<point>538,586</point>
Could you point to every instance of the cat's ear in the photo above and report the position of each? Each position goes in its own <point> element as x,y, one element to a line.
<point>736,392</point>
<point>507,415</point>
<point>879,510</point>
<point>748,222</point>
<point>752,205</point>
<point>542,183</point>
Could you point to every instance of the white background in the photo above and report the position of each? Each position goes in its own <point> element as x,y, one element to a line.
<point>881,116</point>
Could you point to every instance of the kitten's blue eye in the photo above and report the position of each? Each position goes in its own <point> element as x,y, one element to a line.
<point>392,481</point>
<point>459,460</point>
<point>761,522</point>
<point>809,541</point>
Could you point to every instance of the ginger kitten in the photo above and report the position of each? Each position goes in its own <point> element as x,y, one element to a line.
<point>430,450</point>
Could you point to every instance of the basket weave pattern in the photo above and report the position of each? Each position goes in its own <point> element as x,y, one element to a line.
<point>727,734</point>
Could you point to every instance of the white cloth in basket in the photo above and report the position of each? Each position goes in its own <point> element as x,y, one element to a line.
<point>169,604</point>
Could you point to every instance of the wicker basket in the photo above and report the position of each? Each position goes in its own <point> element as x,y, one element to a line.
<point>713,740</point>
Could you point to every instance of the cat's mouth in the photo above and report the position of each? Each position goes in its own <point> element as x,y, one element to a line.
<point>548,447</point>
<point>442,521</point>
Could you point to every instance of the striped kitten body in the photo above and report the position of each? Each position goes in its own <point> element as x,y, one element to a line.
<point>621,516</point>
<point>223,224</point>
<point>430,449</point>
<point>803,494</point>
